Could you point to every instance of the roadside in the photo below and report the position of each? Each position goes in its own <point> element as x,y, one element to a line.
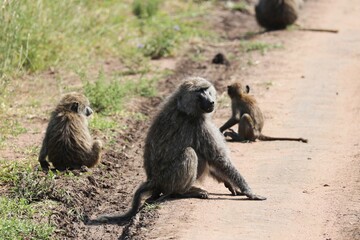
<point>308,89</point>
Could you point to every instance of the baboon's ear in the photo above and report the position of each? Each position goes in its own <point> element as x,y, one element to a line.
<point>247,89</point>
<point>75,107</point>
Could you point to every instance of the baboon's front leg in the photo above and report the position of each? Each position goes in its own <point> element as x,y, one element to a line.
<point>42,156</point>
<point>231,122</point>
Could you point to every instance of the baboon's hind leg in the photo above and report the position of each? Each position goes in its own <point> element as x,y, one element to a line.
<point>193,192</point>
<point>178,181</point>
<point>246,128</point>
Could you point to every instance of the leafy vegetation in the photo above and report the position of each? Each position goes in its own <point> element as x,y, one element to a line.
<point>16,221</point>
<point>108,96</point>
<point>145,8</point>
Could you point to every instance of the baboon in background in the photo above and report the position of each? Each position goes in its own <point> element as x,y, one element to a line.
<point>181,146</point>
<point>67,142</point>
<point>247,114</point>
<point>277,14</point>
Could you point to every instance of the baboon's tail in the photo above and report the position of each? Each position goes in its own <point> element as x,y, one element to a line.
<point>142,189</point>
<point>266,138</point>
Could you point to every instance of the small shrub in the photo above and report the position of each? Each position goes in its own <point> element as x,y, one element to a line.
<point>108,96</point>
<point>161,44</point>
<point>145,8</point>
<point>102,123</point>
<point>104,97</point>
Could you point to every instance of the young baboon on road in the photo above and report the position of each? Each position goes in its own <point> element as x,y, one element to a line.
<point>247,114</point>
<point>181,145</point>
<point>67,142</point>
<point>277,14</point>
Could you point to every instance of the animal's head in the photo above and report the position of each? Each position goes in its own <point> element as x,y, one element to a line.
<point>196,96</point>
<point>237,90</point>
<point>75,102</point>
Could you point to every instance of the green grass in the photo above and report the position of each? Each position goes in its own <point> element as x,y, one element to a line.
<point>17,221</point>
<point>108,95</point>
<point>145,8</point>
<point>27,183</point>
<point>148,207</point>
<point>102,123</point>
<point>263,47</point>
<point>36,35</point>
<point>9,127</point>
<point>17,211</point>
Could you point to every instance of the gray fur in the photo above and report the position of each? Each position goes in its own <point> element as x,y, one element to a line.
<point>181,144</point>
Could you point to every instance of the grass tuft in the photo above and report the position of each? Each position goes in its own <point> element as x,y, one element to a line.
<point>17,221</point>
<point>145,8</point>
<point>108,96</point>
<point>249,46</point>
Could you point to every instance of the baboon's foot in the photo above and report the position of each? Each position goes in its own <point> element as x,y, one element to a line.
<point>253,196</point>
<point>193,192</point>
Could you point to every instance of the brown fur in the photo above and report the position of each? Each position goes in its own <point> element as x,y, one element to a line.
<point>247,114</point>
<point>67,142</point>
<point>277,14</point>
<point>181,146</point>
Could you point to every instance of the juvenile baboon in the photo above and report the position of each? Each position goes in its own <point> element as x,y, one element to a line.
<point>67,142</point>
<point>277,14</point>
<point>183,144</point>
<point>247,114</point>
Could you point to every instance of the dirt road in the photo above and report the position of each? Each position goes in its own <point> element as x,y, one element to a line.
<point>313,189</point>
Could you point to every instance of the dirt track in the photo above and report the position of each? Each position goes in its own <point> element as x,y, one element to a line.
<point>313,189</point>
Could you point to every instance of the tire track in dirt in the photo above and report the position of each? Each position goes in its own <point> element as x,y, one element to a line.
<point>312,189</point>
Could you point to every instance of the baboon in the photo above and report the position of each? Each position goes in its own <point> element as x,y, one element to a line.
<point>247,114</point>
<point>277,14</point>
<point>182,145</point>
<point>67,142</point>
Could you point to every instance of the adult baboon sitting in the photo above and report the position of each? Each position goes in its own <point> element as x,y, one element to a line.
<point>67,142</point>
<point>181,145</point>
<point>277,14</point>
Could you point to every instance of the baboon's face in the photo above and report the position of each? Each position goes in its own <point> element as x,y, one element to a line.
<point>77,103</point>
<point>237,89</point>
<point>196,97</point>
<point>81,109</point>
<point>205,99</point>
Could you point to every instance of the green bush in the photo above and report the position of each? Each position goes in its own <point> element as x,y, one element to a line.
<point>108,96</point>
<point>161,44</point>
<point>145,8</point>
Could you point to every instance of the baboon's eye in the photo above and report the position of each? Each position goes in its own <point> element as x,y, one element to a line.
<point>75,107</point>
<point>201,90</point>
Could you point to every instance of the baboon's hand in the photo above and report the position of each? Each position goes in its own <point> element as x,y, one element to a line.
<point>253,196</point>
<point>233,190</point>
<point>98,144</point>
<point>229,133</point>
<point>45,165</point>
